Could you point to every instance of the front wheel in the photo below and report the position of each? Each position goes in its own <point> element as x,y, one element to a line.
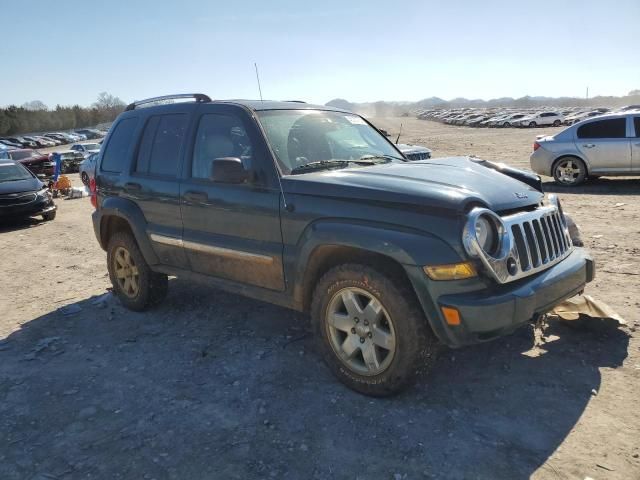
<point>533,124</point>
<point>134,283</point>
<point>557,123</point>
<point>569,171</point>
<point>372,333</point>
<point>49,216</point>
<point>84,176</point>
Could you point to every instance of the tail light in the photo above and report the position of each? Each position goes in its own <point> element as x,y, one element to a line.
<point>93,193</point>
<point>536,146</point>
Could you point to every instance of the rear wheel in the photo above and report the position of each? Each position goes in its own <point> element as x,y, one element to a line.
<point>533,124</point>
<point>371,331</point>
<point>557,123</point>
<point>569,171</point>
<point>134,283</point>
<point>506,124</point>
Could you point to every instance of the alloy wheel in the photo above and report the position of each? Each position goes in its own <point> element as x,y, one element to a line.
<point>360,331</point>
<point>568,171</point>
<point>126,272</point>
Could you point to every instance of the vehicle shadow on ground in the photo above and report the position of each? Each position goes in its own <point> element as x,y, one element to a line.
<point>599,186</point>
<point>14,224</point>
<point>213,385</point>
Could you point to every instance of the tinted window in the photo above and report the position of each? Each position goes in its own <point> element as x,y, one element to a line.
<point>220,136</point>
<point>115,155</point>
<point>614,128</point>
<point>161,143</point>
<point>636,123</point>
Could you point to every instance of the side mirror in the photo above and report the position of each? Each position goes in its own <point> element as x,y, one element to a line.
<point>228,170</point>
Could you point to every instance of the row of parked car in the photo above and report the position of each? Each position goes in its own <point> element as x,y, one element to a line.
<point>42,164</point>
<point>505,118</point>
<point>53,139</point>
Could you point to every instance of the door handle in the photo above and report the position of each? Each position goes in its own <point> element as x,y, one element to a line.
<point>589,145</point>
<point>132,186</point>
<point>196,197</point>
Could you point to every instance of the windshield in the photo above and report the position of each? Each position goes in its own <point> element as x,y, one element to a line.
<point>11,172</point>
<point>300,137</point>
<point>91,146</point>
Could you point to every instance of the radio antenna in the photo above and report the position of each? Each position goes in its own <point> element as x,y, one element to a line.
<point>258,78</point>
<point>399,133</point>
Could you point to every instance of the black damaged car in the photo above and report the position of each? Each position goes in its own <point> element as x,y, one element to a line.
<point>22,194</point>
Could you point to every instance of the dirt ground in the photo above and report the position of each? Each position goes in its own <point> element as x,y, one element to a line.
<point>212,385</point>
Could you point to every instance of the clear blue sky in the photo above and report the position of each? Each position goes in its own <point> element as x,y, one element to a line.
<point>67,52</point>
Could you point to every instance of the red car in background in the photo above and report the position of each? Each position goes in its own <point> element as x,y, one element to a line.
<point>39,163</point>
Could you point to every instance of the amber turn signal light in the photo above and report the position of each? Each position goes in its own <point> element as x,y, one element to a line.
<point>453,271</point>
<point>451,315</point>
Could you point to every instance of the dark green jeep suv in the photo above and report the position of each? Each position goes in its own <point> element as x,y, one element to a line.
<point>312,208</point>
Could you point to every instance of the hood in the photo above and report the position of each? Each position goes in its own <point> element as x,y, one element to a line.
<point>452,183</point>
<point>19,186</point>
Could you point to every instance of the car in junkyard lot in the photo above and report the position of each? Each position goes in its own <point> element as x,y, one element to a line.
<point>603,145</point>
<point>37,162</point>
<point>389,257</point>
<point>70,161</point>
<point>86,149</point>
<point>22,194</point>
<point>414,152</point>
<point>23,142</point>
<point>541,119</point>
<point>87,168</point>
<point>41,142</point>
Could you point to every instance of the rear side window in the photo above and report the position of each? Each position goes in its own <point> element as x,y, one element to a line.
<point>115,155</point>
<point>636,123</point>
<point>613,128</point>
<point>161,144</point>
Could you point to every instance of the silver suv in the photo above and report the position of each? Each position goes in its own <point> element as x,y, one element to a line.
<point>606,145</point>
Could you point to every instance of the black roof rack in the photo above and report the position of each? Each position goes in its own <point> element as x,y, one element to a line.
<point>198,97</point>
<point>295,101</point>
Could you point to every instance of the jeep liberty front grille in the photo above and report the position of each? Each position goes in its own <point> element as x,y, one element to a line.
<point>540,239</point>
<point>528,241</point>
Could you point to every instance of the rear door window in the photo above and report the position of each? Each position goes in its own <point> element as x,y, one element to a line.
<point>115,155</point>
<point>636,124</point>
<point>161,144</point>
<point>612,128</point>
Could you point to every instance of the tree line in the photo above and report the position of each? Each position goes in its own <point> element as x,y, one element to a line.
<point>35,116</point>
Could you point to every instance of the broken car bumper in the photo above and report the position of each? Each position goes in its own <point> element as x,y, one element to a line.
<point>489,313</point>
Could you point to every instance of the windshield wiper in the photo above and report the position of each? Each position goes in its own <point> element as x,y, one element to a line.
<point>320,165</point>
<point>324,164</point>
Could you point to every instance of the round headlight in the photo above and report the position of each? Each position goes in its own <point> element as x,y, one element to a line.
<point>486,234</point>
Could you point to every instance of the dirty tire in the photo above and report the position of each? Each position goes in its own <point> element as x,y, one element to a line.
<point>152,286</point>
<point>415,346</point>
<point>48,217</point>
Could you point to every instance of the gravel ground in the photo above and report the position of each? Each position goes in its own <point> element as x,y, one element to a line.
<point>212,385</point>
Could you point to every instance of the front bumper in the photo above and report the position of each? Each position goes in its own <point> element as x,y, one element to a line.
<point>28,210</point>
<point>492,312</point>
